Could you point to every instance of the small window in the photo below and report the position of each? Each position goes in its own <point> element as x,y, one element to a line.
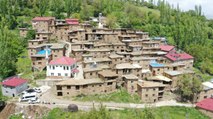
<point>146,95</point>
<point>59,74</point>
<point>77,87</point>
<point>66,74</point>
<point>153,94</point>
<point>85,86</point>
<point>68,87</point>
<point>147,89</point>
<point>52,74</point>
<point>109,83</point>
<point>90,74</point>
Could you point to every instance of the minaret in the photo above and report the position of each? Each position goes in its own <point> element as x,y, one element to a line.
<point>100,25</point>
<point>46,55</point>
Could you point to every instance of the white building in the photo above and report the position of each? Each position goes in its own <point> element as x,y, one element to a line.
<point>62,67</point>
<point>13,86</point>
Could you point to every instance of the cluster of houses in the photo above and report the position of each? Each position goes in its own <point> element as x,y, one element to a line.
<point>108,59</point>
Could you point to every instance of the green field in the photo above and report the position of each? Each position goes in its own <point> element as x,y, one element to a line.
<point>158,113</point>
<point>121,96</point>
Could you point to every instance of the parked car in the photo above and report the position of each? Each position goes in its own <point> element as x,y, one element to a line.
<point>34,100</point>
<point>27,96</point>
<point>38,90</point>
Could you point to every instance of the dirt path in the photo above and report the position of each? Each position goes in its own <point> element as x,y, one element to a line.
<point>52,102</point>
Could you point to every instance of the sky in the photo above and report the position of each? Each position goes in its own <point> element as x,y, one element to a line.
<point>207,5</point>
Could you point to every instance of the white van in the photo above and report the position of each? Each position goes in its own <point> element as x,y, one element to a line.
<point>27,96</point>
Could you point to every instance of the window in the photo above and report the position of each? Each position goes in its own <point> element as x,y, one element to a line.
<point>68,87</point>
<point>205,97</point>
<point>68,93</point>
<point>146,95</point>
<point>59,74</point>
<point>77,87</point>
<point>109,83</point>
<point>131,81</point>
<point>58,88</point>
<point>90,74</point>
<point>85,86</point>
<point>158,69</point>
<point>64,68</point>
<point>147,89</point>
<point>153,89</point>
<point>153,94</point>
<point>52,74</point>
<point>66,74</point>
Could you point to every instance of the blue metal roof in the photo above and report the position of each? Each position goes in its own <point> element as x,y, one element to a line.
<point>43,52</point>
<point>153,63</point>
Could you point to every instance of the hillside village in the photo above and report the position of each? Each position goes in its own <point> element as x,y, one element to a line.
<point>82,60</point>
<point>99,60</point>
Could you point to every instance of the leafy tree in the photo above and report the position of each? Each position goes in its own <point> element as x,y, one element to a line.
<point>10,47</point>
<point>57,7</point>
<point>42,6</point>
<point>72,6</point>
<point>188,87</point>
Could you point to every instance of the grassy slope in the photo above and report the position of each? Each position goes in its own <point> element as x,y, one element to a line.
<point>159,113</point>
<point>121,96</point>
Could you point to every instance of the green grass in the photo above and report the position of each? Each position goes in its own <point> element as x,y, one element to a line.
<point>205,77</point>
<point>103,113</point>
<point>121,96</point>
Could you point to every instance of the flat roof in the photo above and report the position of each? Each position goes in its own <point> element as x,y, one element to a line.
<point>143,58</point>
<point>127,66</point>
<point>144,71</point>
<point>130,76</point>
<point>108,73</point>
<point>115,56</point>
<point>80,82</point>
<point>97,60</point>
<point>175,73</point>
<point>98,50</point>
<point>207,85</point>
<point>160,78</point>
<point>98,68</point>
<point>149,84</point>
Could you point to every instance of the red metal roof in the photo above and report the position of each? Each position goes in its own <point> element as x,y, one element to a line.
<point>75,70</point>
<point>206,104</point>
<point>14,81</point>
<point>166,47</point>
<point>72,21</point>
<point>42,18</point>
<point>63,61</point>
<point>178,56</point>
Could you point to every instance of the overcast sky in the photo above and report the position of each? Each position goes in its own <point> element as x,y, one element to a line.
<point>207,5</point>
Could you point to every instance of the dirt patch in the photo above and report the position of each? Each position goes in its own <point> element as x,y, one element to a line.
<point>7,111</point>
<point>31,111</point>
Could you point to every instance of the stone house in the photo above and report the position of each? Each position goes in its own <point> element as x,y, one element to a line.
<point>176,75</point>
<point>183,58</point>
<point>206,107</point>
<point>130,83</point>
<point>96,61</point>
<point>150,92</point>
<point>207,91</point>
<point>127,68</point>
<point>42,24</point>
<point>23,32</point>
<point>70,88</point>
